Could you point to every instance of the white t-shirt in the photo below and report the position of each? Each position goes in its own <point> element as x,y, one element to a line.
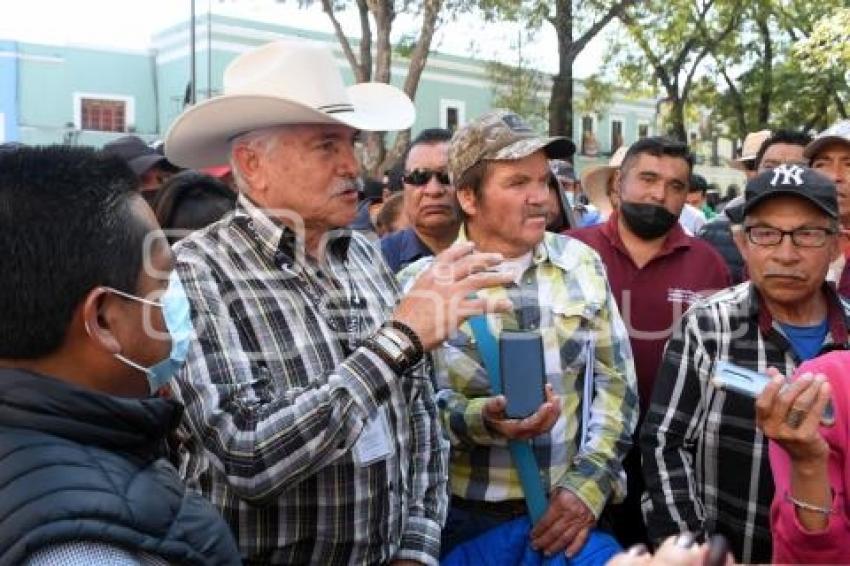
<point>516,265</point>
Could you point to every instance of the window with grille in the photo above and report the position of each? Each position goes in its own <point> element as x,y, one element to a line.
<point>103,115</point>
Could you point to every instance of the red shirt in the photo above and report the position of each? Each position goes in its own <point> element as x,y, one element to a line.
<point>653,298</point>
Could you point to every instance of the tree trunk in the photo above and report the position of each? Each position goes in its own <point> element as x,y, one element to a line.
<point>737,103</point>
<point>677,119</point>
<point>365,41</point>
<point>384,14</point>
<point>767,73</point>
<point>418,59</point>
<point>561,97</point>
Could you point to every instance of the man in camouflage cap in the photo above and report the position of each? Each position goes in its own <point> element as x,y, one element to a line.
<point>500,169</point>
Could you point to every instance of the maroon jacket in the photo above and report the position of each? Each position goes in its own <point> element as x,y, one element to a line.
<point>654,297</point>
<point>844,281</point>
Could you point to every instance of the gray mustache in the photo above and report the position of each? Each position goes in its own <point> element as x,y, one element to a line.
<point>535,211</point>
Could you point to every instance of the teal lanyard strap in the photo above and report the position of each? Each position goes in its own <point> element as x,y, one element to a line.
<point>521,452</point>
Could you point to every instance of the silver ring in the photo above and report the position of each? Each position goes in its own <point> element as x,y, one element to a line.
<point>795,417</point>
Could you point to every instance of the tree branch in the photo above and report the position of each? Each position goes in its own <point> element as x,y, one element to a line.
<point>616,9</point>
<point>660,70</point>
<point>327,6</point>
<point>419,55</point>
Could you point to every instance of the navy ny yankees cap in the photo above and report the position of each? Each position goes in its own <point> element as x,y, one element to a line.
<point>794,180</point>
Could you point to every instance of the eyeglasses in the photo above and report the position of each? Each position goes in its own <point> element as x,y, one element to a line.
<point>421,177</point>
<point>801,237</point>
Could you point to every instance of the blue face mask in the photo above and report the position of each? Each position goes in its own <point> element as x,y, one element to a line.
<point>175,312</point>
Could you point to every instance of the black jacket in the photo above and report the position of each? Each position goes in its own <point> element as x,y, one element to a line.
<point>718,233</point>
<point>76,465</point>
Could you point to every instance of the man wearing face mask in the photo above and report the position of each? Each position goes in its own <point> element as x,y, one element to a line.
<point>93,326</point>
<point>656,271</point>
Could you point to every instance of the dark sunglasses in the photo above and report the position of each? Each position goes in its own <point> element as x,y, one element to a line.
<point>420,177</point>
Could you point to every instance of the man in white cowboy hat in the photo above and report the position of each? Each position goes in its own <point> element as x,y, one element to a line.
<point>310,419</point>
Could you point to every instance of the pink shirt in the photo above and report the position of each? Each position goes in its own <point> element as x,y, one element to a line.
<point>791,542</point>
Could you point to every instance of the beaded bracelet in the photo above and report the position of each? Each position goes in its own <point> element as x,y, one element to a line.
<point>808,506</point>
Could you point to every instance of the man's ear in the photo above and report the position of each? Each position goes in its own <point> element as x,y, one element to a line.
<point>740,239</point>
<point>249,163</point>
<point>467,201</point>
<point>96,323</point>
<point>842,244</point>
<point>615,188</point>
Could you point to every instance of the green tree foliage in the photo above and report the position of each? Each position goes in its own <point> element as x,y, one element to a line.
<point>520,87</point>
<point>828,46</point>
<point>772,75</point>
<point>576,23</point>
<point>748,65</point>
<point>666,45</point>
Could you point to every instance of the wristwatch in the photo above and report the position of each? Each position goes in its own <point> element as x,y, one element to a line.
<point>395,348</point>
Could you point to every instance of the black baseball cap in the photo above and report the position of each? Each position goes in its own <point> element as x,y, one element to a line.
<point>562,168</point>
<point>138,155</point>
<point>794,180</point>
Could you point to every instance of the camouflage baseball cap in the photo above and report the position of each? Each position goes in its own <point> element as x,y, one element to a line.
<point>500,135</point>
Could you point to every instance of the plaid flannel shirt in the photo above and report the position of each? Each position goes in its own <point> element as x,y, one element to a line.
<point>704,460</point>
<point>277,392</point>
<point>565,295</point>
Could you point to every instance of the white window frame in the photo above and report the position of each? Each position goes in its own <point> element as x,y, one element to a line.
<point>622,121</point>
<point>459,105</point>
<point>129,106</point>
<point>648,128</point>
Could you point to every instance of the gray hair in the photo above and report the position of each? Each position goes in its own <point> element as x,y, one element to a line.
<point>264,140</point>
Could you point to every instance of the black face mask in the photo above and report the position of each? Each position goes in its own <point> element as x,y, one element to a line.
<point>647,221</point>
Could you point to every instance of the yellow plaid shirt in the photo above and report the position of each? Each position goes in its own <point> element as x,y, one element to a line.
<point>565,295</point>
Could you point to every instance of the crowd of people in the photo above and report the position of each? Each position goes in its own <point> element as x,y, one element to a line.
<point>234,349</point>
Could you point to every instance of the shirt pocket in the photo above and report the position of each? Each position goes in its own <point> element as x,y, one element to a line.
<point>569,335</point>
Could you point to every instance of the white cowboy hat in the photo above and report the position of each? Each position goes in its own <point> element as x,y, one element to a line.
<point>282,82</point>
<point>595,179</point>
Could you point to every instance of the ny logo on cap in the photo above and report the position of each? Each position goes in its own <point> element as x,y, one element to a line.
<point>788,174</point>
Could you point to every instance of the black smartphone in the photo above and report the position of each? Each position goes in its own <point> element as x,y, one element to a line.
<point>523,373</point>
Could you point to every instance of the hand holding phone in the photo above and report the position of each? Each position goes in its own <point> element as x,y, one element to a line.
<point>751,383</point>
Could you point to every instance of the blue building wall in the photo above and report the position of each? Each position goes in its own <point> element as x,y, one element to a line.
<point>9,91</point>
<point>43,83</point>
<point>53,79</point>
